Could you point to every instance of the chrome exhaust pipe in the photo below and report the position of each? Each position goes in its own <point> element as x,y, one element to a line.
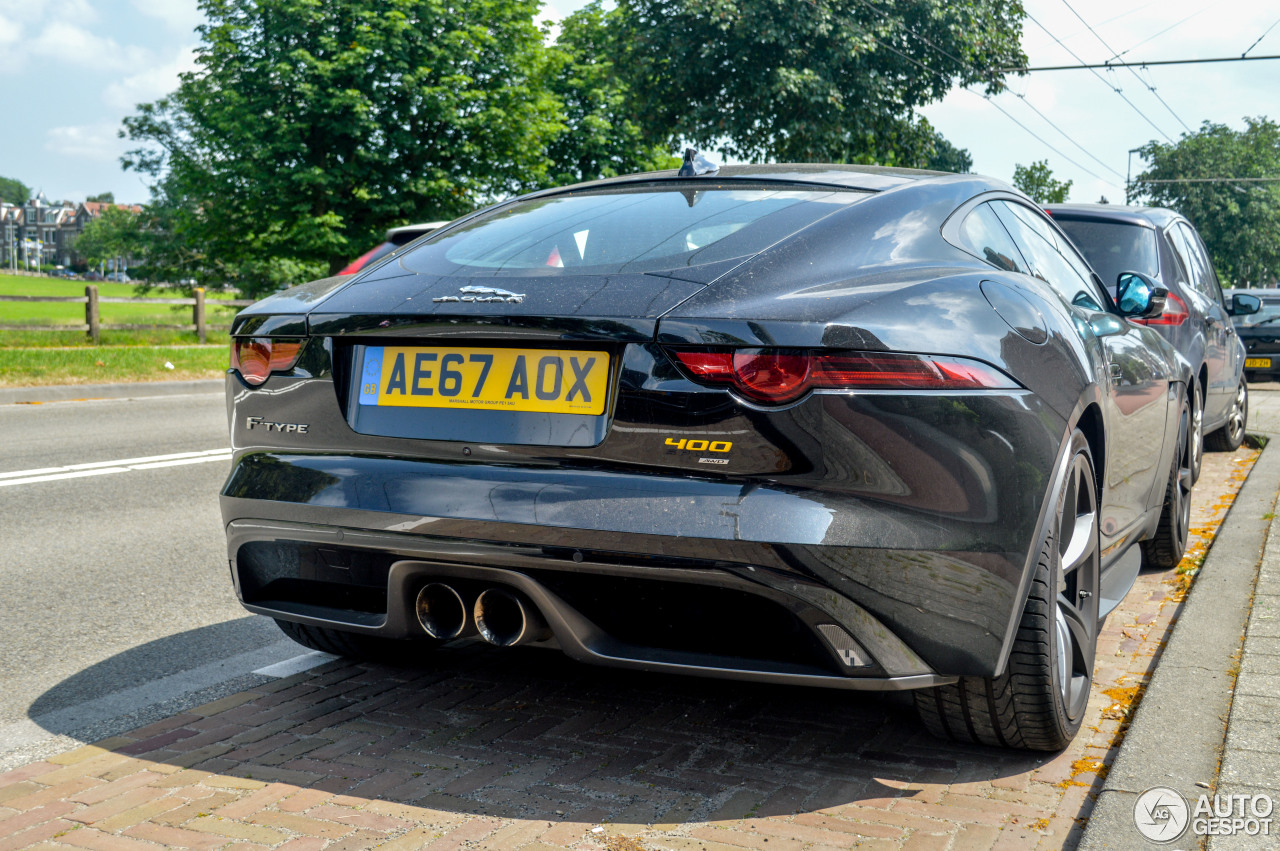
<point>441,611</point>
<point>505,619</point>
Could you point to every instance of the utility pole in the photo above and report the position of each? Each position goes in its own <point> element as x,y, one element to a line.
<point>1127,177</point>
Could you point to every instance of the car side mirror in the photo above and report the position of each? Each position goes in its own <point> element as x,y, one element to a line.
<point>1244,305</point>
<point>1139,296</point>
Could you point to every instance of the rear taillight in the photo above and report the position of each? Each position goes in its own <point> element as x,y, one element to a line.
<point>1175,313</point>
<point>779,376</point>
<point>257,357</point>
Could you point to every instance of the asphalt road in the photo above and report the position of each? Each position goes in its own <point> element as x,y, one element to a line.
<point>117,608</point>
<point>117,603</point>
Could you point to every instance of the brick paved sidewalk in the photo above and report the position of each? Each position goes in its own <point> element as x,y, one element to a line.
<point>1251,753</point>
<point>526,750</point>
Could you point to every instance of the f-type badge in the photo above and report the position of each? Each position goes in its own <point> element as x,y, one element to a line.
<point>483,294</point>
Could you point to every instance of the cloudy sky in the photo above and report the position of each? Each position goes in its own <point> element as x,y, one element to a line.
<point>75,68</point>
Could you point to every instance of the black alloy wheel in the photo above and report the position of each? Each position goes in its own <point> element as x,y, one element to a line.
<point>1166,549</point>
<point>1231,435</point>
<point>1039,701</point>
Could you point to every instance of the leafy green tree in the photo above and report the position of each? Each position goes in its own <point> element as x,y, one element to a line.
<point>1037,182</point>
<point>178,247</point>
<point>117,232</point>
<point>835,81</point>
<point>14,191</point>
<point>947,157</point>
<point>310,127</point>
<point>600,136</point>
<point>1239,221</point>
<point>101,198</point>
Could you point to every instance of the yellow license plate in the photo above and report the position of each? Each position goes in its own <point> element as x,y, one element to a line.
<point>552,381</point>
<point>1257,363</point>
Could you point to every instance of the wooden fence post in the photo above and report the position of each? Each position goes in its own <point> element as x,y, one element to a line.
<point>91,313</point>
<point>202,329</point>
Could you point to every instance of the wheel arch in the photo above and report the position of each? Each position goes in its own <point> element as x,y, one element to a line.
<point>1090,422</point>
<point>1087,417</point>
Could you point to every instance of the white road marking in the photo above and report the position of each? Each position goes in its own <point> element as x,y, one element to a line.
<point>296,665</point>
<point>102,468</point>
<point>101,471</point>
<point>156,465</point>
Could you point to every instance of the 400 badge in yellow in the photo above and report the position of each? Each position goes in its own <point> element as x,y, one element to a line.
<point>553,381</point>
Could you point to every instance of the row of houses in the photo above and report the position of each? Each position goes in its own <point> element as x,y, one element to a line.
<point>42,233</point>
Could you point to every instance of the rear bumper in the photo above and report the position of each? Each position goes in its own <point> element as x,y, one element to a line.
<point>346,542</point>
<point>813,645</point>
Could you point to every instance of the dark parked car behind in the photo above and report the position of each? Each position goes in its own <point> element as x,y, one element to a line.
<point>1260,333</point>
<point>832,426</point>
<point>1197,318</point>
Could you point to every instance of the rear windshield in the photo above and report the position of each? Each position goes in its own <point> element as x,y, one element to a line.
<point>633,230</point>
<point>1114,247</point>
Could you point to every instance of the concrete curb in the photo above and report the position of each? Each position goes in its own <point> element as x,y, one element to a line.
<point>1177,735</point>
<point>78,392</point>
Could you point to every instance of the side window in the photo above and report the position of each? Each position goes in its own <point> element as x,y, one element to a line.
<point>1065,247</point>
<point>1190,263</point>
<point>982,235</point>
<point>1178,271</point>
<point>1039,244</point>
<point>1208,281</point>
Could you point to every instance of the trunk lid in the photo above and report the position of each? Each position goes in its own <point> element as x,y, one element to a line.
<point>623,307</point>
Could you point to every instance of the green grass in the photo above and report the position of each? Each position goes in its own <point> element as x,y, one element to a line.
<point>59,313</point>
<point>23,285</point>
<point>80,339</point>
<point>33,358</point>
<point>29,367</point>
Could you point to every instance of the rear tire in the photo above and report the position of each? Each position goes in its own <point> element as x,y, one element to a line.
<point>1230,436</point>
<point>353,645</point>
<point>1039,701</point>
<point>1166,549</point>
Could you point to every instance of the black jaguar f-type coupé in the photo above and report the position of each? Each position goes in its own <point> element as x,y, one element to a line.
<point>836,426</point>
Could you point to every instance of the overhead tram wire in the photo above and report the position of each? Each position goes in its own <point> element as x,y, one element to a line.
<point>1128,13</point>
<point>1135,74</point>
<point>1215,180</point>
<point>1233,182</point>
<point>1007,114</point>
<point>1151,86</point>
<point>1162,32</point>
<point>1146,63</point>
<point>1260,38</point>
<point>1021,97</point>
<point>989,100</point>
<point>1104,80</point>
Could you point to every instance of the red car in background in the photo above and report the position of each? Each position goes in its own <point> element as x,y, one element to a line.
<point>395,238</point>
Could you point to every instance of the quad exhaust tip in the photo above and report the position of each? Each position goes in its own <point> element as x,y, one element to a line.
<point>441,611</point>
<point>507,620</point>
